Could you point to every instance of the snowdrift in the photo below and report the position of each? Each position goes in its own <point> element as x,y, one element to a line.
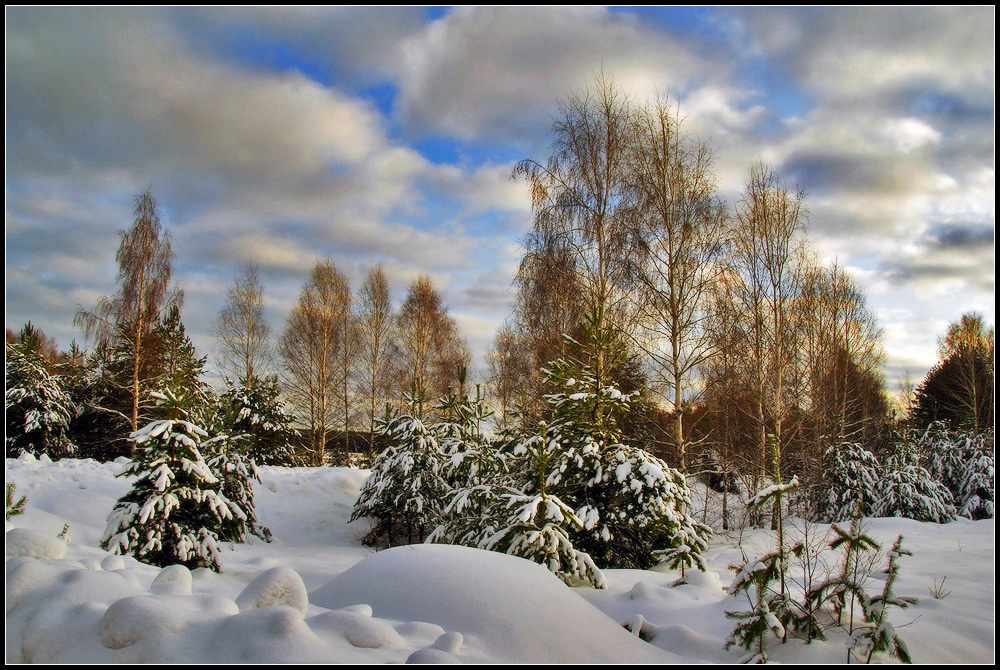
<point>316,595</point>
<point>497,601</point>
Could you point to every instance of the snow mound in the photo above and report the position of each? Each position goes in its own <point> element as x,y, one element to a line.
<point>156,622</point>
<point>499,601</point>
<point>449,642</point>
<point>24,542</point>
<point>174,580</point>
<point>358,629</point>
<point>52,606</point>
<point>273,635</point>
<point>431,656</point>
<point>277,586</point>
<point>112,562</point>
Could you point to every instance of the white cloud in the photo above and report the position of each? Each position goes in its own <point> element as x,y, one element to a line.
<point>496,72</point>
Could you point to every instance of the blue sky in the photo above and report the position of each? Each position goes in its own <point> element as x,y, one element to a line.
<point>282,136</point>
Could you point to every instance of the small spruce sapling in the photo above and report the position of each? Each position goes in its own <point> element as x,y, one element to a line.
<point>877,634</point>
<point>808,552</point>
<point>753,627</point>
<point>841,590</point>
<point>13,507</point>
<point>780,603</point>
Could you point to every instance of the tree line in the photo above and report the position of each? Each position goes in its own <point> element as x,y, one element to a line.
<point>720,313</point>
<point>339,359</point>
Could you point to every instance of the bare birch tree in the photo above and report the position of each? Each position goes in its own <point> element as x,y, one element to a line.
<point>310,350</point>
<point>581,197</point>
<point>430,349</point>
<point>763,284</point>
<point>375,342</point>
<point>243,333</point>
<point>842,356</point>
<point>347,365</point>
<point>509,368</point>
<point>126,319</point>
<point>680,227</point>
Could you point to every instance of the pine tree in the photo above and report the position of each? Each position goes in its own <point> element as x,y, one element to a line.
<point>174,512</point>
<point>37,407</point>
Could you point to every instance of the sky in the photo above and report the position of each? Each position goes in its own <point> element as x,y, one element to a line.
<point>284,136</point>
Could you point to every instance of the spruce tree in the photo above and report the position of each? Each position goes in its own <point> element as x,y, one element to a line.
<point>174,511</point>
<point>851,475</point>
<point>405,491</point>
<point>175,363</point>
<point>634,507</point>
<point>37,407</point>
<point>236,475</point>
<point>908,490</point>
<point>256,413</point>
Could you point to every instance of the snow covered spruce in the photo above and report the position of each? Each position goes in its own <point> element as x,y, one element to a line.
<point>37,407</point>
<point>179,509</point>
<point>570,497</point>
<point>935,474</point>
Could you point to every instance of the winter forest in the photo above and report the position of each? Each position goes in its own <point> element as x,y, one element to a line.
<point>683,447</point>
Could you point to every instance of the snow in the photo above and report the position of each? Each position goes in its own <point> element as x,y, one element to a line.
<point>316,595</point>
<point>275,587</point>
<point>26,542</point>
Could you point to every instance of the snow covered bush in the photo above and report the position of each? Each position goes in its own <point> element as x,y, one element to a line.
<point>173,514</point>
<point>753,628</point>
<point>37,407</point>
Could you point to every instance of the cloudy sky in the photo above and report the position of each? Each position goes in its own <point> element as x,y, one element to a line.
<point>283,136</point>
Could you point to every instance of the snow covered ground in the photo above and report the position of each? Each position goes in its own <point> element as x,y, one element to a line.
<point>316,595</point>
